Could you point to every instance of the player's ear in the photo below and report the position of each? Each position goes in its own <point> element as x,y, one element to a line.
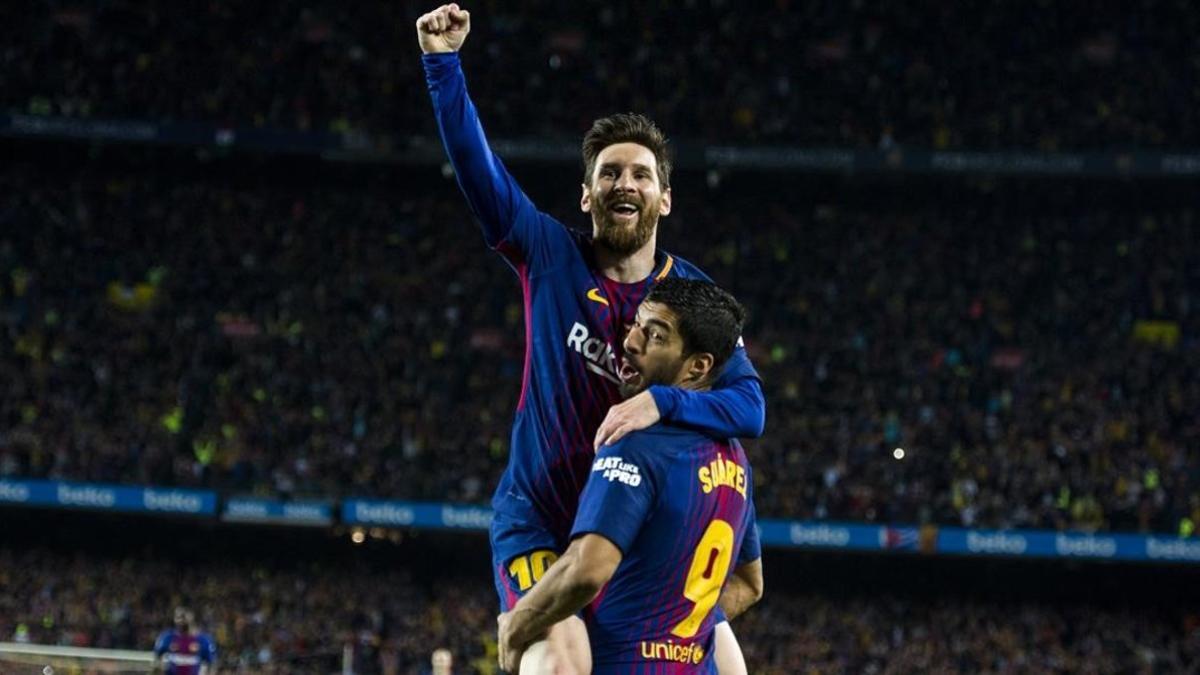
<point>585,202</point>
<point>664,207</point>
<point>699,366</point>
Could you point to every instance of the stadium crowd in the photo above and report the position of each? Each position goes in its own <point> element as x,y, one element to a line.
<point>263,620</point>
<point>1037,364</point>
<point>945,75</point>
<point>1014,355</point>
<point>267,620</point>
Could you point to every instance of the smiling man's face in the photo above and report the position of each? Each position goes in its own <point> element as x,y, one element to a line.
<point>625,197</point>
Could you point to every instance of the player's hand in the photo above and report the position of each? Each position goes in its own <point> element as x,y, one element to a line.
<point>509,654</point>
<point>638,412</point>
<point>443,30</point>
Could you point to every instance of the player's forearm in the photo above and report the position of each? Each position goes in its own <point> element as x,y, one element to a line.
<point>491,192</point>
<point>742,589</point>
<point>565,589</point>
<point>736,598</point>
<point>736,411</point>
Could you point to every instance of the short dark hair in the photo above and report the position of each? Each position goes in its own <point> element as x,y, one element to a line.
<point>626,128</point>
<point>710,319</point>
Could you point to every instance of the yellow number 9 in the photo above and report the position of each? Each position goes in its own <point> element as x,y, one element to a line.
<point>710,566</point>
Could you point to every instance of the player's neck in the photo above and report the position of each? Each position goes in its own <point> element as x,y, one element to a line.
<point>695,385</point>
<point>627,269</point>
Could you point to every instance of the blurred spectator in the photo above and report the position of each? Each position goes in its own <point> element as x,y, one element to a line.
<point>441,662</point>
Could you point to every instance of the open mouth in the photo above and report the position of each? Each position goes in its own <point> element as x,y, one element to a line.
<point>624,210</point>
<point>629,374</point>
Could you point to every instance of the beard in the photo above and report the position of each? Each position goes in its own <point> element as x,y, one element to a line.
<point>628,391</point>
<point>621,238</point>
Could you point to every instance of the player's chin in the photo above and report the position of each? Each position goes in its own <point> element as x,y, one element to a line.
<point>620,229</point>
<point>631,388</point>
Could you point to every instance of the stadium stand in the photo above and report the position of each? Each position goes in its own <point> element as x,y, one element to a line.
<point>990,75</point>
<point>273,608</point>
<point>938,349</point>
<point>1035,361</point>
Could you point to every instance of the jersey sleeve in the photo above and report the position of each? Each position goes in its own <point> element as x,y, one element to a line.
<point>734,408</point>
<point>511,223</point>
<point>751,549</point>
<point>161,644</point>
<point>619,496</point>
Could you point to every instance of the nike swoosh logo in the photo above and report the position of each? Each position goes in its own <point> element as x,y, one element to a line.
<point>602,373</point>
<point>594,295</point>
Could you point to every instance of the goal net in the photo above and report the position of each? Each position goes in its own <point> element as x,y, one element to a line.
<point>26,659</point>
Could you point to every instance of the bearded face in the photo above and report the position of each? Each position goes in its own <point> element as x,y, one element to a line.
<point>625,198</point>
<point>624,222</point>
<point>653,350</point>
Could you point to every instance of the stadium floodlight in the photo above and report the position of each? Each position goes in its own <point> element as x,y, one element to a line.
<point>30,659</point>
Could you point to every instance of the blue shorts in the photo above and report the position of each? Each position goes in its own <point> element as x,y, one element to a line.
<point>521,553</point>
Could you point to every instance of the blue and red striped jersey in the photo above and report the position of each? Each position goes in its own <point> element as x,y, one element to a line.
<point>680,507</point>
<point>183,653</point>
<point>575,321</point>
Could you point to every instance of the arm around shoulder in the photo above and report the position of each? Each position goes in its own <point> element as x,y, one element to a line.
<point>738,410</point>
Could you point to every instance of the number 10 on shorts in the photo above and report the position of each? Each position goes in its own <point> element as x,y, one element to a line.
<point>529,568</point>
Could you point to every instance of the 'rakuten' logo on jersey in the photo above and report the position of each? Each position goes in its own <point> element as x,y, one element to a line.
<point>598,354</point>
<point>614,469</point>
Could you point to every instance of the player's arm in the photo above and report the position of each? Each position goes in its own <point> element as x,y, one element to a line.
<point>160,651</point>
<point>743,588</point>
<point>493,195</point>
<point>569,585</point>
<point>734,408</point>
<point>618,497</point>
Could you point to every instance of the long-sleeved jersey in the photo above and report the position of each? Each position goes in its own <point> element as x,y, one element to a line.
<point>575,320</point>
<point>680,507</point>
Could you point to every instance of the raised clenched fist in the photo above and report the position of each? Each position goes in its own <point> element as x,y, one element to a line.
<point>443,29</point>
